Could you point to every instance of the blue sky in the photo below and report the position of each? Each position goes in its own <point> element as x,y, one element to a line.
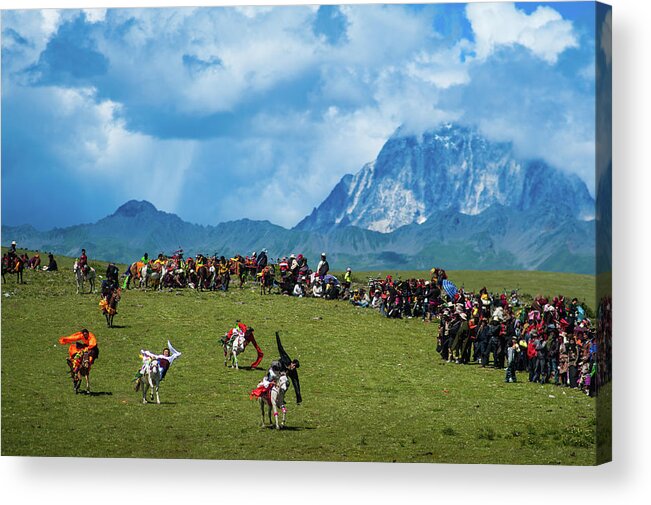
<point>221,113</point>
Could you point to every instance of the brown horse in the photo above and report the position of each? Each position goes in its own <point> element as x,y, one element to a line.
<point>206,274</point>
<point>80,367</point>
<point>266,277</point>
<point>109,305</point>
<point>134,274</point>
<point>237,268</point>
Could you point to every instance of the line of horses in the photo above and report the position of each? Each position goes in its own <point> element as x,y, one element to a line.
<point>204,273</point>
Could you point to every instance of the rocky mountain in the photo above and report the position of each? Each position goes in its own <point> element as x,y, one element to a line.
<point>451,168</point>
<point>448,198</point>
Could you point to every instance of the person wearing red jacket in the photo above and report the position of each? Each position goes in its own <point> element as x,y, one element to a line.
<point>80,341</point>
<point>249,338</point>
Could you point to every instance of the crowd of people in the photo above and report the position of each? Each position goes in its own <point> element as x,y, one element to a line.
<point>549,340</point>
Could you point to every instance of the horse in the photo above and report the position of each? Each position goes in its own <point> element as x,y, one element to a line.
<point>266,279</point>
<point>233,347</point>
<point>84,274</point>
<point>80,367</point>
<point>237,268</point>
<point>133,273</point>
<point>109,305</point>
<point>149,273</point>
<point>274,399</point>
<point>151,377</point>
<point>206,276</point>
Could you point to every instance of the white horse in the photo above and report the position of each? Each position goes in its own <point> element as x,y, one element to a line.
<point>151,377</point>
<point>234,347</point>
<point>275,400</point>
<point>148,274</point>
<point>82,276</point>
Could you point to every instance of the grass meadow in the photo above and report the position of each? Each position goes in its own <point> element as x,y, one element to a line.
<point>373,389</point>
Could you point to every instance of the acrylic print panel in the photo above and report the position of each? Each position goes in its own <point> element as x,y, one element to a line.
<point>378,232</point>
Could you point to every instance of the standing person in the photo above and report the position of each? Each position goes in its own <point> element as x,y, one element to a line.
<point>289,366</point>
<point>86,340</point>
<point>572,362</point>
<point>348,279</point>
<point>512,360</point>
<point>323,267</point>
<point>494,329</point>
<point>540,368</point>
<point>224,271</point>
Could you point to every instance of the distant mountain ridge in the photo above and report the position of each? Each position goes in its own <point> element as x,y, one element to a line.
<point>448,198</point>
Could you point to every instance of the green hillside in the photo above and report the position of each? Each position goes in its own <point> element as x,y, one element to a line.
<point>374,389</point>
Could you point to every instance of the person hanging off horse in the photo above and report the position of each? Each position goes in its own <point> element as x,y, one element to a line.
<point>165,361</point>
<point>80,342</point>
<point>249,338</point>
<point>285,364</point>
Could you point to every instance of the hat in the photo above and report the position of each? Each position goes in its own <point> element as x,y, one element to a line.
<point>463,316</point>
<point>292,256</point>
<point>323,255</point>
<point>13,242</point>
<point>348,269</point>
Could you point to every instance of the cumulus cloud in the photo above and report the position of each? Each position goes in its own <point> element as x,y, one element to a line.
<point>544,32</point>
<point>268,105</point>
<point>90,147</point>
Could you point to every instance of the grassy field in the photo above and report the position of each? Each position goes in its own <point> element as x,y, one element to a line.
<point>374,389</point>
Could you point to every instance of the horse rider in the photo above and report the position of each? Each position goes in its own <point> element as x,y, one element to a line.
<point>83,261</point>
<point>81,341</point>
<point>165,360</point>
<point>112,274</point>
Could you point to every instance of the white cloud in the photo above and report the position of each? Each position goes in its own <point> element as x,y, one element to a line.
<point>91,140</point>
<point>544,32</point>
<point>443,68</point>
<point>95,15</point>
<point>391,69</point>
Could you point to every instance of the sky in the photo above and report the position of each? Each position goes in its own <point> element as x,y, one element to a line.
<point>216,113</point>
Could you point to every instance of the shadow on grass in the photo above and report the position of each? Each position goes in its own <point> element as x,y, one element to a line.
<point>119,326</point>
<point>96,393</point>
